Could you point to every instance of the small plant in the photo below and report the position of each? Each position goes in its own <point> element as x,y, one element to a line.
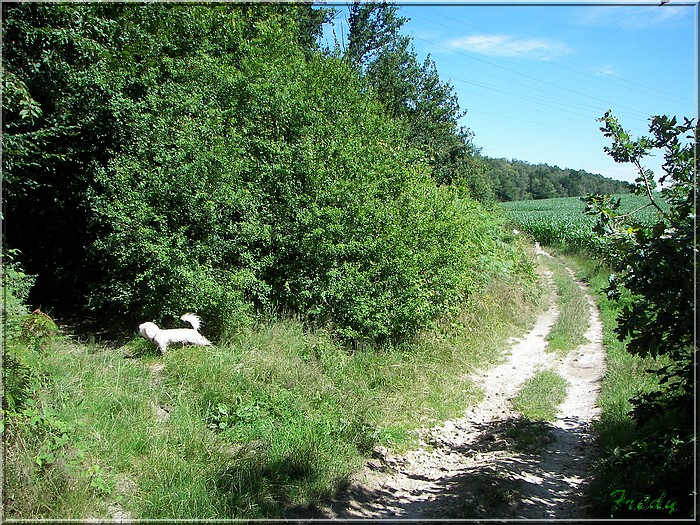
<point>54,431</point>
<point>96,479</point>
<point>225,416</point>
<point>38,329</point>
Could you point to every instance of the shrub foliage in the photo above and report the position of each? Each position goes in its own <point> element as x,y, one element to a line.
<point>162,158</point>
<point>654,264</point>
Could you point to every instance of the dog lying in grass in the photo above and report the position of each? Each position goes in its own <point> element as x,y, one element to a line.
<point>185,336</point>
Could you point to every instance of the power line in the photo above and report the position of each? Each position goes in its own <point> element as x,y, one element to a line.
<point>547,125</point>
<point>577,103</point>
<point>611,80</point>
<point>527,99</point>
<point>530,77</point>
<point>536,98</point>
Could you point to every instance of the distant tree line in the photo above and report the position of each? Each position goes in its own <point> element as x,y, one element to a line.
<point>515,180</point>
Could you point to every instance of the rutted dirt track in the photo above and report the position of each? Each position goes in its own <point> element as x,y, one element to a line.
<point>477,466</point>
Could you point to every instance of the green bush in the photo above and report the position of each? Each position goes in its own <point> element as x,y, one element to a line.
<point>277,181</point>
<point>226,175</point>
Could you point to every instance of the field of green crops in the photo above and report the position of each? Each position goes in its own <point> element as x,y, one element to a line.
<point>562,223</point>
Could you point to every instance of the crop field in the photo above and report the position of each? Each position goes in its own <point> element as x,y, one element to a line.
<point>562,222</point>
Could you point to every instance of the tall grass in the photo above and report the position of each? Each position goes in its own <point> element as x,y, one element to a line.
<point>277,417</point>
<point>540,396</point>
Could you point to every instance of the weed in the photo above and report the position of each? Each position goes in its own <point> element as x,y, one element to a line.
<point>540,396</point>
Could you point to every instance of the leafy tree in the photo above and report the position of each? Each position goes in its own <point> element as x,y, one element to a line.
<point>373,27</point>
<point>655,265</point>
<point>542,187</point>
<point>518,180</point>
<point>55,127</point>
<point>414,93</point>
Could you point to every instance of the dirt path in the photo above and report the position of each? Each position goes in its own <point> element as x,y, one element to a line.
<point>491,463</point>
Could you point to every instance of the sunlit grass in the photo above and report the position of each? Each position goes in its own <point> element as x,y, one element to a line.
<point>540,396</point>
<point>573,320</point>
<point>278,417</point>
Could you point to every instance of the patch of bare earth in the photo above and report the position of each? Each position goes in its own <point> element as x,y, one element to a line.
<point>491,463</point>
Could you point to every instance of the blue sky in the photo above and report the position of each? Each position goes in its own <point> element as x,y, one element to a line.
<point>534,78</point>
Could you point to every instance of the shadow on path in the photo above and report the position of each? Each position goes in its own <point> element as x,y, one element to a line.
<point>515,468</point>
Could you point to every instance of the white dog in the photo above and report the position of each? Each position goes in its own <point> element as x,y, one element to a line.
<point>163,338</point>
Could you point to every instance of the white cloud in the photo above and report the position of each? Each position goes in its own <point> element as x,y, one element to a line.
<point>510,46</point>
<point>606,71</point>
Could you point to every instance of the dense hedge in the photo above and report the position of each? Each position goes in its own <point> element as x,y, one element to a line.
<point>211,158</point>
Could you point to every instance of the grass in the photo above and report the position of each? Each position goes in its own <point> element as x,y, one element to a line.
<point>540,396</point>
<point>570,327</point>
<point>278,417</point>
